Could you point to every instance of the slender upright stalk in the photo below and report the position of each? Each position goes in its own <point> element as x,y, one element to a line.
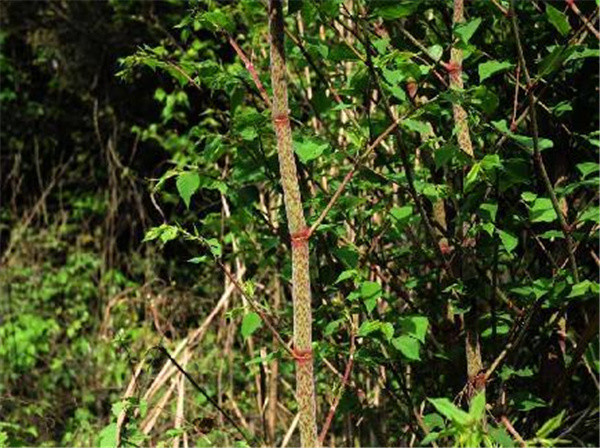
<point>299,234</point>
<point>472,345</point>
<point>456,82</point>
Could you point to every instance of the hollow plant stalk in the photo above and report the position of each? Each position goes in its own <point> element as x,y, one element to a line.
<point>299,233</point>
<point>472,345</point>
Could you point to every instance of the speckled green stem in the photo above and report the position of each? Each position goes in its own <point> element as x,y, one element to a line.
<point>305,386</point>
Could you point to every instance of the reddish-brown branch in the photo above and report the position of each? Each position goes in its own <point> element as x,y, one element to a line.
<point>336,401</point>
<point>251,69</point>
<point>350,173</point>
<point>256,308</point>
<point>513,432</point>
<point>586,22</point>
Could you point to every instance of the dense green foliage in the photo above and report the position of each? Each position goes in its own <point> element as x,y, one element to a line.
<point>141,207</point>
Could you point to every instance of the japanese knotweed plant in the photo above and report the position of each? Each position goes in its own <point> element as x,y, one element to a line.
<point>299,233</point>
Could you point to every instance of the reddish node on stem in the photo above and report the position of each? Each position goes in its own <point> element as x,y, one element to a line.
<point>478,381</point>
<point>452,67</point>
<point>412,87</point>
<point>570,3</point>
<point>302,356</point>
<point>300,237</point>
<point>445,248</point>
<point>281,120</point>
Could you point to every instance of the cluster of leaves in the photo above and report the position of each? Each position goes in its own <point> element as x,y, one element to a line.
<point>424,244</point>
<point>374,257</point>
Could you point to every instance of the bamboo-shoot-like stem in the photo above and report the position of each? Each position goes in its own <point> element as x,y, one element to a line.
<point>456,82</point>
<point>299,234</point>
<point>472,346</point>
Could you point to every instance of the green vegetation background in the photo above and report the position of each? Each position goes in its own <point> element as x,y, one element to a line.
<point>137,157</point>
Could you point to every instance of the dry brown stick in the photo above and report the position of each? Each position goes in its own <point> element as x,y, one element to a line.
<point>595,257</point>
<point>38,205</point>
<point>180,407</point>
<point>274,374</point>
<point>590,333</point>
<point>168,370</point>
<point>513,120</point>
<point>152,417</point>
<point>290,431</point>
<point>583,18</point>
<point>502,9</point>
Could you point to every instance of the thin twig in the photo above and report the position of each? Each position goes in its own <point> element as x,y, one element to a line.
<point>251,69</point>
<point>336,400</point>
<point>583,18</point>
<point>205,395</point>
<point>256,308</point>
<point>510,428</point>
<point>391,128</point>
<point>537,156</point>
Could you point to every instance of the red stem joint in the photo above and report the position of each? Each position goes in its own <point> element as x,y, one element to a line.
<point>301,237</point>
<point>281,120</point>
<point>452,68</point>
<point>302,356</point>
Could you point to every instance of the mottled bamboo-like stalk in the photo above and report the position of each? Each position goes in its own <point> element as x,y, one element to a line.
<point>456,82</point>
<point>472,345</point>
<point>299,234</point>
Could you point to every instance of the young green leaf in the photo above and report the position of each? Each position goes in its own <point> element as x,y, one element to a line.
<point>250,324</point>
<point>587,168</point>
<point>368,327</point>
<point>490,68</point>
<point>408,346</point>
<point>436,51</point>
<point>542,210</point>
<point>215,247</point>
<point>169,233</point>
<point>187,184</point>
<point>370,292</point>
<point>309,149</point>
<point>465,31</point>
<point>108,436</point>
<point>450,411</point>
<point>558,19</point>
<point>400,214</point>
<point>581,288</point>
<point>422,127</point>
<point>509,242</point>
<point>550,426</point>
<point>477,406</point>
<point>415,326</point>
